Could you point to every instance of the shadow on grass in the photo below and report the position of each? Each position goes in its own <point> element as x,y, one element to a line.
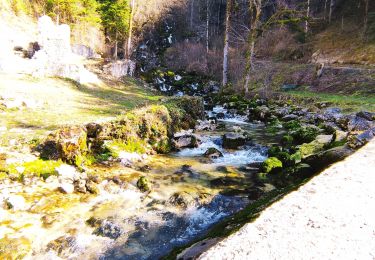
<point>114,97</point>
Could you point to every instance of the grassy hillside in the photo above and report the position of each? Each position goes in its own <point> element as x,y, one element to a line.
<point>52,102</point>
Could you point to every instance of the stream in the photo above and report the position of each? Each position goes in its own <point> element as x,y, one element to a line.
<point>189,194</point>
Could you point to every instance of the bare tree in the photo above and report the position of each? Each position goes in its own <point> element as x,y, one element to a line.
<point>331,7</point>
<point>226,42</point>
<point>129,41</point>
<point>256,9</point>
<point>307,17</point>
<point>365,18</point>
<point>207,24</point>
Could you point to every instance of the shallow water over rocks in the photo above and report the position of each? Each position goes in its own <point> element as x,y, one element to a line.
<point>189,193</point>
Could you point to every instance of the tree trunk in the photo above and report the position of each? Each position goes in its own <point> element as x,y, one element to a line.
<point>331,6</point>
<point>307,17</point>
<point>365,18</point>
<point>191,14</point>
<point>325,9</point>
<point>115,51</point>
<point>129,41</point>
<point>226,42</point>
<point>251,67</point>
<point>207,25</point>
<point>257,6</point>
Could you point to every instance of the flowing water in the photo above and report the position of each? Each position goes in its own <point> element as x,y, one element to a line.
<point>185,201</point>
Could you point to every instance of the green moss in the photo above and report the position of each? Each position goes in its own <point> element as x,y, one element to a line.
<point>273,151</point>
<point>39,168</point>
<point>287,140</point>
<point>143,184</point>
<point>310,148</point>
<point>3,175</point>
<point>296,157</point>
<point>272,164</point>
<point>114,148</point>
<point>292,125</point>
<point>305,134</point>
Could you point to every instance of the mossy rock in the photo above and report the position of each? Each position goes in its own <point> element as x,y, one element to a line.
<point>305,134</point>
<point>143,184</point>
<point>39,168</point>
<point>318,145</point>
<point>292,125</point>
<point>274,150</point>
<point>67,144</point>
<point>272,165</point>
<point>287,140</point>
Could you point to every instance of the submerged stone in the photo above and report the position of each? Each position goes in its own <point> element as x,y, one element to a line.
<point>233,140</point>
<point>213,153</point>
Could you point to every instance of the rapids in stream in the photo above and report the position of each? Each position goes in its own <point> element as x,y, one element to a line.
<point>189,194</point>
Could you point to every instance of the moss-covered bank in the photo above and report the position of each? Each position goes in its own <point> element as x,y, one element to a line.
<point>144,130</point>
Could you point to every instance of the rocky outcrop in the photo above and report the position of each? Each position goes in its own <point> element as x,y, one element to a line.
<point>68,144</point>
<point>120,68</point>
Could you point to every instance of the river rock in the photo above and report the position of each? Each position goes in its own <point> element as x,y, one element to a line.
<point>233,140</point>
<point>220,115</point>
<point>358,124</point>
<point>339,136</point>
<point>109,229</point>
<point>289,117</point>
<point>260,113</point>
<point>63,245</point>
<point>206,125</point>
<point>143,184</point>
<point>315,146</point>
<point>357,141</point>
<point>92,187</point>
<point>281,112</point>
<point>187,140</point>
<point>332,114</point>
<point>366,115</point>
<point>16,202</point>
<point>323,159</point>
<point>66,187</point>
<point>80,186</point>
<point>182,199</point>
<point>213,153</point>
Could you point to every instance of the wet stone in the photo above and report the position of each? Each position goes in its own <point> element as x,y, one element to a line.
<point>108,229</point>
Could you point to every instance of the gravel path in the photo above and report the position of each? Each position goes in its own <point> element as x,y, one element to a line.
<point>331,217</point>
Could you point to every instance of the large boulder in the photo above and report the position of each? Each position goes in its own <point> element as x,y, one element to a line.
<point>323,159</point>
<point>359,124</point>
<point>233,140</point>
<point>68,144</point>
<point>185,140</point>
<point>315,146</point>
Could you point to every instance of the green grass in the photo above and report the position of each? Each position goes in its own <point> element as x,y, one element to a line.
<point>347,103</point>
<point>39,168</point>
<point>59,102</point>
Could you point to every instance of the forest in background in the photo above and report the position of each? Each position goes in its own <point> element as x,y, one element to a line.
<point>218,38</point>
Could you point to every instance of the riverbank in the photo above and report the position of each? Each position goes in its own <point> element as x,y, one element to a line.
<point>330,217</point>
